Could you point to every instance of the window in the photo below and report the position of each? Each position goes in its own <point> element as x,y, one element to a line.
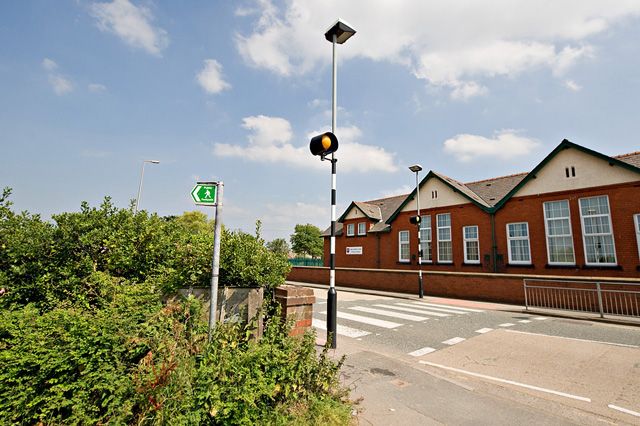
<point>350,230</point>
<point>558,230</point>
<point>636,222</point>
<point>425,238</point>
<point>572,169</point>
<point>403,246</point>
<point>434,194</point>
<point>518,243</point>
<point>471,244</point>
<point>597,234</point>
<point>362,228</point>
<point>445,253</point>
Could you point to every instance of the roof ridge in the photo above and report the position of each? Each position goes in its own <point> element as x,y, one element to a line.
<point>627,155</point>
<point>384,198</point>
<point>499,177</point>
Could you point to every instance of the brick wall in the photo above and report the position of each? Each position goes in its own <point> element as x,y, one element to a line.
<point>297,305</point>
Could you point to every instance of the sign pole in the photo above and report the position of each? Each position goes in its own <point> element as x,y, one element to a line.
<point>216,260</point>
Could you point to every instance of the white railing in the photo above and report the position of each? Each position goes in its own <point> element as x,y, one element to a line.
<point>610,298</point>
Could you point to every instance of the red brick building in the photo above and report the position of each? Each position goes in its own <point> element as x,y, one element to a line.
<point>576,213</point>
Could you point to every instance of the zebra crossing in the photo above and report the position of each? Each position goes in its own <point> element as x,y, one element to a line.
<point>400,312</point>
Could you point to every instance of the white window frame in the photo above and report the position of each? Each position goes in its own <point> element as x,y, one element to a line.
<point>449,240</point>
<point>426,239</point>
<point>584,234</point>
<point>510,239</point>
<point>547,236</point>
<point>351,231</point>
<point>401,243</point>
<point>362,228</point>
<point>465,242</point>
<point>636,226</point>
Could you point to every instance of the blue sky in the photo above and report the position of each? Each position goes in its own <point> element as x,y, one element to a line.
<point>232,91</point>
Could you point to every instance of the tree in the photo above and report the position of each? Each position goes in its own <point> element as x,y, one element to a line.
<point>195,222</point>
<point>279,246</point>
<point>307,240</point>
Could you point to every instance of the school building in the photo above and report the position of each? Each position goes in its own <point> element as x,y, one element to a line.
<point>577,213</point>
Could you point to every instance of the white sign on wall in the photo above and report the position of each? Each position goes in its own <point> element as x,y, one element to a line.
<point>354,250</point>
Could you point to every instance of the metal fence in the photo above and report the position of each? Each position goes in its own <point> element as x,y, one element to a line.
<point>610,298</point>
<point>306,261</point>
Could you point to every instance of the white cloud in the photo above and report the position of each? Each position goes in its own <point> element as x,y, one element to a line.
<point>210,77</point>
<point>270,138</point>
<point>97,88</point>
<point>450,47</point>
<point>572,85</point>
<point>505,145</point>
<point>49,64</point>
<point>60,85</point>
<point>132,24</point>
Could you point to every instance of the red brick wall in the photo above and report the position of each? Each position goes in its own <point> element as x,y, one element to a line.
<point>499,288</point>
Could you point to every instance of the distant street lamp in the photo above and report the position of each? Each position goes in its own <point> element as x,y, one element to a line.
<point>416,168</point>
<point>338,33</point>
<point>141,178</point>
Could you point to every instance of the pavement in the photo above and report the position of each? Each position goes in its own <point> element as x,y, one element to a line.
<point>472,382</point>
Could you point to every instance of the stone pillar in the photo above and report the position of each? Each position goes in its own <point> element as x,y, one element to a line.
<point>297,305</point>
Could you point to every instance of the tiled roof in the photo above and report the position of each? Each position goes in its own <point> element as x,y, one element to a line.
<point>459,186</point>
<point>493,190</point>
<point>379,209</point>
<point>370,210</point>
<point>632,158</point>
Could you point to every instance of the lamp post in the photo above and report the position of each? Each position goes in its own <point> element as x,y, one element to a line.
<point>416,168</point>
<point>338,33</point>
<point>141,178</point>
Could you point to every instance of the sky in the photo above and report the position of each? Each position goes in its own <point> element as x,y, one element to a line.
<point>232,91</point>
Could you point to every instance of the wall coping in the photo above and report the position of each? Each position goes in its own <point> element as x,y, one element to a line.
<point>484,274</point>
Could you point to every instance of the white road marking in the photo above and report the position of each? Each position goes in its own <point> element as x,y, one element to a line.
<point>457,308</point>
<point>392,314</point>
<point>400,308</point>
<point>454,341</point>
<point>540,318</point>
<point>432,308</point>
<point>525,321</point>
<point>511,382</point>
<point>484,330</point>
<point>424,311</point>
<point>366,320</point>
<point>422,351</point>
<point>506,324</point>
<point>573,338</point>
<point>624,410</point>
<point>340,329</point>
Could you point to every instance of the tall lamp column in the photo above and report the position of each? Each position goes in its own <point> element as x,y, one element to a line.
<point>141,178</point>
<point>416,168</point>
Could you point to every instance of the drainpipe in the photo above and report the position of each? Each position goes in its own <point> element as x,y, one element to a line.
<point>494,247</point>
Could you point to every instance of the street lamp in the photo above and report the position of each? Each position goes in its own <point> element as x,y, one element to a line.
<point>338,33</point>
<point>141,178</point>
<point>416,168</point>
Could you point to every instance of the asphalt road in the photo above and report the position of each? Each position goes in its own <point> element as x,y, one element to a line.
<point>443,361</point>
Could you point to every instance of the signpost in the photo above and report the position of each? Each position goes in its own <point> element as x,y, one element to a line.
<point>210,194</point>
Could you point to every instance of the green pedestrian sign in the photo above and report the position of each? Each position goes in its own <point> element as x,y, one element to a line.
<point>205,193</point>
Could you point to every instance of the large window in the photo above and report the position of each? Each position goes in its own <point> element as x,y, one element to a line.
<point>471,244</point>
<point>445,252</point>
<point>362,228</point>
<point>403,246</point>
<point>425,238</point>
<point>597,233</point>
<point>518,243</point>
<point>350,229</point>
<point>636,223</point>
<point>558,229</point>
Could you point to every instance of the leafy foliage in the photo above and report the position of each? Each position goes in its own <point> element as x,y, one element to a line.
<point>87,335</point>
<point>279,246</point>
<point>307,240</point>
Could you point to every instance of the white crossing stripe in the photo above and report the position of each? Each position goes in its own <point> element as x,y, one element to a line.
<point>422,351</point>
<point>366,320</point>
<point>624,410</point>
<point>392,314</point>
<point>400,308</point>
<point>454,341</point>
<point>457,308</point>
<point>507,324</point>
<point>484,330</point>
<point>424,311</point>
<point>540,318</point>
<point>342,330</point>
<point>525,321</point>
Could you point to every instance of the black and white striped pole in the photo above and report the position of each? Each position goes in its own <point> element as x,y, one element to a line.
<point>323,145</point>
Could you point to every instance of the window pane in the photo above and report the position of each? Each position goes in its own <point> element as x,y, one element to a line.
<point>444,251</point>
<point>594,206</point>
<point>444,234</point>
<point>473,253</point>
<point>518,230</point>
<point>520,251</point>
<point>470,232</point>
<point>444,219</point>
<point>561,250</point>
